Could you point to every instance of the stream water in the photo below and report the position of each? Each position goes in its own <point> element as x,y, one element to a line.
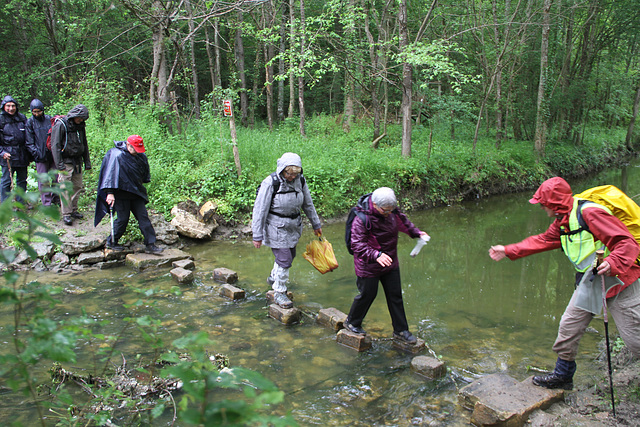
<point>480,317</point>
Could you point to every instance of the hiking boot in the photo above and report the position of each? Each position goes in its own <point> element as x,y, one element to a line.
<point>282,299</point>
<point>553,380</point>
<point>67,220</point>
<point>355,329</point>
<point>153,249</point>
<point>405,336</point>
<point>77,215</point>
<point>114,247</point>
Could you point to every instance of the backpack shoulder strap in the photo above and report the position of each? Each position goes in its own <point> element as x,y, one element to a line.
<point>275,182</point>
<point>581,222</point>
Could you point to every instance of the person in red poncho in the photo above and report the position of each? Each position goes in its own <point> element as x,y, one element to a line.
<point>605,231</point>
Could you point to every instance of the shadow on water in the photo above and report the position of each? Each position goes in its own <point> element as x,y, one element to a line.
<point>480,317</point>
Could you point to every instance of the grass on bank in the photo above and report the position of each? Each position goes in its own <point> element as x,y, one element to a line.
<point>198,164</point>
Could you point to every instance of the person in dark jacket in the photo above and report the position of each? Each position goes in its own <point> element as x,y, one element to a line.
<point>375,256</point>
<point>70,152</point>
<point>124,170</point>
<point>38,126</point>
<point>14,156</point>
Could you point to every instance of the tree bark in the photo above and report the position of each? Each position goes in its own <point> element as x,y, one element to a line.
<point>158,92</point>
<point>281,63</point>
<point>239,55</point>
<point>407,80</point>
<point>212,72</point>
<point>542,104</point>
<point>499,103</point>
<point>268,55</point>
<point>303,30</point>
<point>373,75</point>
<point>632,122</point>
<point>292,74</point>
<point>194,68</point>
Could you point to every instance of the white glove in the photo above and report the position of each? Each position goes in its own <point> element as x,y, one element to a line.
<point>421,241</point>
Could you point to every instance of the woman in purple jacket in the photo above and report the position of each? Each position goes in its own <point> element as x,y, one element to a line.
<point>375,256</point>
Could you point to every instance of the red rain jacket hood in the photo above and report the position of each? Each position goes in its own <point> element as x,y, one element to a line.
<point>555,194</point>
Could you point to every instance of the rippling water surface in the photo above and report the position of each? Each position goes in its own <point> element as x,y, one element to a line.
<point>480,317</point>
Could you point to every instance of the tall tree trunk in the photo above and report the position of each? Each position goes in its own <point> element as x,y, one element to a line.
<point>565,73</point>
<point>256,93</point>
<point>212,72</point>
<point>348,90</point>
<point>629,139</point>
<point>303,33</point>
<point>50,24</point>
<point>158,91</point>
<point>349,83</point>
<point>407,80</point>
<point>194,68</point>
<point>292,74</point>
<point>268,52</point>
<point>216,51</point>
<point>373,75</point>
<point>268,55</point>
<point>542,104</point>
<point>281,64</point>
<point>239,54</point>
<point>499,102</point>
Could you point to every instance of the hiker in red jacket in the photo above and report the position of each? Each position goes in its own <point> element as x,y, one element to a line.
<point>619,268</point>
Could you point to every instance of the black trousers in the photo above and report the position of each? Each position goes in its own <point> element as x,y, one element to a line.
<point>368,288</point>
<point>123,207</point>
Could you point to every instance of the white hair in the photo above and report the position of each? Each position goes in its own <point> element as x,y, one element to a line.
<point>384,197</point>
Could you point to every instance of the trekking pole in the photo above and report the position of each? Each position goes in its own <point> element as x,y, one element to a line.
<point>10,174</point>
<point>113,242</point>
<point>599,258</point>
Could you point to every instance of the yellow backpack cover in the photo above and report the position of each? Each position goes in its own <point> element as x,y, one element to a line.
<point>621,206</point>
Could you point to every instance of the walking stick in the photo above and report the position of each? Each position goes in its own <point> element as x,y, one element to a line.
<point>599,257</point>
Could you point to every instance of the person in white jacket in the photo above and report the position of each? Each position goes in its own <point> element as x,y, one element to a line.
<point>277,220</point>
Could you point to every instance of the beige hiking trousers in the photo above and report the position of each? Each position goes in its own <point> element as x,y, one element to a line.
<point>71,185</point>
<point>624,308</point>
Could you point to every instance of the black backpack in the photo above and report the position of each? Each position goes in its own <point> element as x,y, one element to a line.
<point>275,183</point>
<point>352,214</point>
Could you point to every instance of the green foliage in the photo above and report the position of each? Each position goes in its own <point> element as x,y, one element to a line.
<point>200,377</point>
<point>39,338</point>
<point>198,163</point>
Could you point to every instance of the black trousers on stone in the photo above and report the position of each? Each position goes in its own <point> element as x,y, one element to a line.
<point>368,288</point>
<point>123,207</point>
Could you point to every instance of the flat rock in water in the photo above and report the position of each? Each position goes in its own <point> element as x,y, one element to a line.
<point>287,316</point>
<point>429,367</point>
<point>229,291</point>
<point>141,261</point>
<point>182,275</point>
<point>499,400</point>
<point>355,341</point>
<point>187,264</point>
<point>331,317</point>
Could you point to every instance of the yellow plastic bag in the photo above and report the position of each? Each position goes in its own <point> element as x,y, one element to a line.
<point>320,254</point>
